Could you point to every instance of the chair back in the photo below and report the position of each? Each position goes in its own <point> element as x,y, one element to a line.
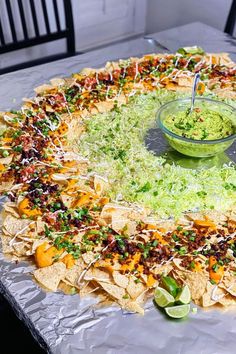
<point>27,17</point>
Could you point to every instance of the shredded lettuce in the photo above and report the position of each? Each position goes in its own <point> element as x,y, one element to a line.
<point>114,144</point>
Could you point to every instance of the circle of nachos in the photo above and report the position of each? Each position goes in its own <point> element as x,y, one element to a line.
<point>59,213</point>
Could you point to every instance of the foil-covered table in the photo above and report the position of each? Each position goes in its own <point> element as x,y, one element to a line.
<point>67,324</point>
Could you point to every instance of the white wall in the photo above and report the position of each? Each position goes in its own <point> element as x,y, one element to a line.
<point>163,14</point>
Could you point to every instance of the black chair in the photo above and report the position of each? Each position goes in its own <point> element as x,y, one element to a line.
<point>230,23</point>
<point>23,9</point>
<point>23,341</point>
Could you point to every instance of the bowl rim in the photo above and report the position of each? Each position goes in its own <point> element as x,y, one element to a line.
<point>206,142</point>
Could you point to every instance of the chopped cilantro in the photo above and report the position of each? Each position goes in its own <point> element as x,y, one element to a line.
<point>145,188</point>
<point>182,250</point>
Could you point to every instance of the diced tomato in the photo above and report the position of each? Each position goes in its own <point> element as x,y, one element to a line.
<point>131,70</point>
<point>116,74</point>
<point>104,76</point>
<point>51,218</point>
<point>57,100</point>
<point>110,238</point>
<point>27,173</point>
<point>89,82</point>
<point>182,62</point>
<point>155,62</point>
<point>27,142</point>
<point>232,72</point>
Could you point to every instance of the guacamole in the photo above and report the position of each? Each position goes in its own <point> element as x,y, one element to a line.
<point>200,124</point>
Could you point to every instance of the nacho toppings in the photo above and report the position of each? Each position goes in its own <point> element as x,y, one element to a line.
<point>59,212</point>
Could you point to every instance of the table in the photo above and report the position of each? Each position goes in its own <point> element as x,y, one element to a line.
<point>14,86</point>
<point>13,278</point>
<point>209,38</point>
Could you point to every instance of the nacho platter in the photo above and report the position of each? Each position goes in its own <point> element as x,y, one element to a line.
<point>88,243</point>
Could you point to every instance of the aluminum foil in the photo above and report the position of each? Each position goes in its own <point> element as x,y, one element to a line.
<point>67,324</point>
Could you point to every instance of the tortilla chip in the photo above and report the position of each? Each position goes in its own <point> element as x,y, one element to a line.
<point>88,71</point>
<point>104,106</point>
<point>98,275</point>
<point>11,208</point>
<point>131,306</point>
<point>228,300</point>
<point>93,110</point>
<point>196,281</point>
<point>35,244</point>
<point>102,263</point>
<point>61,177</point>
<point>229,284</point>
<point>225,93</point>
<point>50,277</point>
<point>104,299</point>
<point>120,279</point>
<point>212,215</point>
<point>134,289</point>
<point>6,247</point>
<point>40,226</point>
<point>113,290</point>
<point>67,200</point>
<point>218,59</point>
<point>112,65</point>
<point>57,81</point>
<point>232,216</point>
<point>164,269</point>
<point>14,226</point>
<point>121,211</point>
<point>89,288</point>
<point>43,88</point>
<point>216,216</point>
<point>66,288</point>
<point>20,248</point>
<point>100,184</point>
<point>89,257</point>
<point>72,274</point>
<point>185,81</point>
<point>3,124</point>
<point>6,160</point>
<point>123,225</point>
<point>195,216</point>
<point>6,186</point>
<point>70,81</point>
<point>212,295</point>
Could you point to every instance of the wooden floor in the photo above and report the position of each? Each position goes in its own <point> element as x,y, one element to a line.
<point>11,327</point>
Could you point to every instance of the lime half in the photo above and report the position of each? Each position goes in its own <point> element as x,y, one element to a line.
<point>170,285</point>
<point>179,311</point>
<point>184,297</point>
<point>163,298</point>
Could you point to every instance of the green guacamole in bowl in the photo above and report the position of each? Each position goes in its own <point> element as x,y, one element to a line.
<point>208,130</point>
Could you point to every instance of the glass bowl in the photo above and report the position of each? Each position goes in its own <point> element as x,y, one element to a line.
<point>190,147</point>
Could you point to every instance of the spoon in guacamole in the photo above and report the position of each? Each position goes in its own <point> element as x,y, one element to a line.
<point>194,88</point>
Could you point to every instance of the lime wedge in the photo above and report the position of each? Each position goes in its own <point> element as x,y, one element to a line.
<point>170,285</point>
<point>184,297</point>
<point>179,311</point>
<point>163,298</point>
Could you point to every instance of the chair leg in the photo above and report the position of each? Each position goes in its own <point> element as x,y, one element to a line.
<point>230,23</point>
<point>70,27</point>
